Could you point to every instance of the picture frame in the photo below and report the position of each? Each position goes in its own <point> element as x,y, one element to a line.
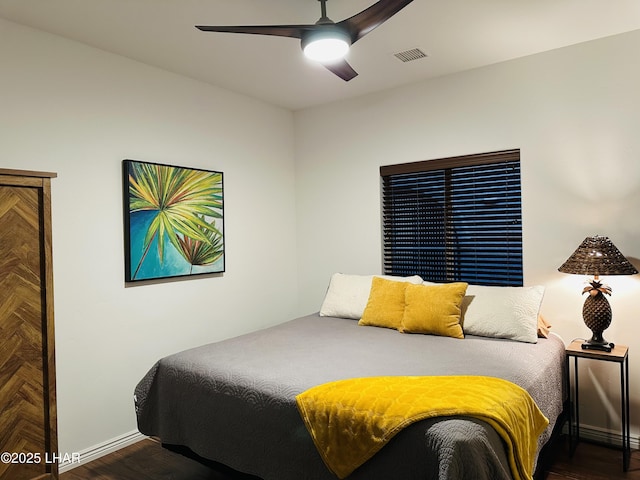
<point>173,221</point>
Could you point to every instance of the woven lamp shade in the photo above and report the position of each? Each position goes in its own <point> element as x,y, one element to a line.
<point>597,256</point>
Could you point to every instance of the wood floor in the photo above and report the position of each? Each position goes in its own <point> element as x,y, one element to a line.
<point>147,460</point>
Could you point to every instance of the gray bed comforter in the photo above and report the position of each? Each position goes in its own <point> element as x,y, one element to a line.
<point>234,401</point>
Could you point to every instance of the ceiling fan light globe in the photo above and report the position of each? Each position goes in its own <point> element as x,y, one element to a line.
<point>325,50</point>
<point>326,44</point>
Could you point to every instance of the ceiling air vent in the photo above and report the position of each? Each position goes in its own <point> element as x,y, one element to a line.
<point>410,55</point>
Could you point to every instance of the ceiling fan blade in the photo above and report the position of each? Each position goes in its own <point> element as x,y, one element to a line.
<point>342,69</point>
<point>378,13</point>
<point>291,31</point>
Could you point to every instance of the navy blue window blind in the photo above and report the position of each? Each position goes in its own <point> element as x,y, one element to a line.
<point>454,219</point>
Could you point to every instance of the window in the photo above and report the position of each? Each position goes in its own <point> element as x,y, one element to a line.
<point>454,219</point>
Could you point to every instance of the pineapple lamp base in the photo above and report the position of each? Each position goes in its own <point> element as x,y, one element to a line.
<point>595,344</point>
<point>596,313</point>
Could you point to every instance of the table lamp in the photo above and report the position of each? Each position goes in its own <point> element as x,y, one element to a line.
<point>597,256</point>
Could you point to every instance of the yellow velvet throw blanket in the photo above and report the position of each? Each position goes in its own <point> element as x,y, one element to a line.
<point>350,420</point>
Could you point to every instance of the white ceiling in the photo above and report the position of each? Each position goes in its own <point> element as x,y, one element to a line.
<point>455,34</point>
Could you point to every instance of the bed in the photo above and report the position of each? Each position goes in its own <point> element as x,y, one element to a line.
<point>234,401</point>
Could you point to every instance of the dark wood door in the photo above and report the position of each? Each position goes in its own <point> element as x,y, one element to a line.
<point>27,383</point>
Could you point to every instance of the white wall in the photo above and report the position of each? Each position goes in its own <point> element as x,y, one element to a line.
<point>573,112</point>
<point>79,112</point>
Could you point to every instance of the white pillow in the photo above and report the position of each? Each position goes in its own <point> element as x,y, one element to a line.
<point>347,295</point>
<point>502,312</point>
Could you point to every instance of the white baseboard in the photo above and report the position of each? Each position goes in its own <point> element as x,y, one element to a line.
<point>100,450</point>
<point>607,437</point>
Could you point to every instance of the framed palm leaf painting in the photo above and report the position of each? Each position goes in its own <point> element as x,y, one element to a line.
<point>173,221</point>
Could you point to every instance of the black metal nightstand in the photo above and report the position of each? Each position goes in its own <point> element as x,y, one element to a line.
<point>619,354</point>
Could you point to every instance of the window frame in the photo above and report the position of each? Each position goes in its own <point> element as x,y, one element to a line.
<point>506,272</point>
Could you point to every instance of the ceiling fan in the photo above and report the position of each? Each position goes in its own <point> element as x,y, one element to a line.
<point>326,35</point>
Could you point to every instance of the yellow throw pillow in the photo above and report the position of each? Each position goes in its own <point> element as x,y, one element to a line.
<point>434,309</point>
<point>385,306</point>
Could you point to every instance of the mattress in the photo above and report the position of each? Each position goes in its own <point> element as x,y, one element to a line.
<point>233,401</point>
